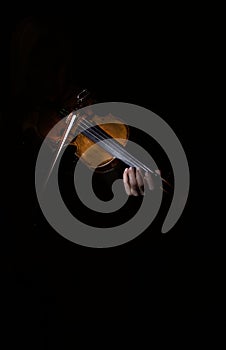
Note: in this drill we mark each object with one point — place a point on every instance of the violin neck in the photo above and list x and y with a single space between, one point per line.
113 147
96 134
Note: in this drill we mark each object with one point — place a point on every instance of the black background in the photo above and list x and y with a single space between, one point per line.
153 60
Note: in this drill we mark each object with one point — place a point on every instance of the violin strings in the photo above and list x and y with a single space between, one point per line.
118 149
113 147
109 144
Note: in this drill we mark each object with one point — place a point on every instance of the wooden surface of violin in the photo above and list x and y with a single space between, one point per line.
89 150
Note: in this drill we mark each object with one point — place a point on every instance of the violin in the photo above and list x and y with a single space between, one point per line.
90 129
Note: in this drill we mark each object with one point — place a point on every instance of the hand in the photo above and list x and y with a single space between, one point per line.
134 180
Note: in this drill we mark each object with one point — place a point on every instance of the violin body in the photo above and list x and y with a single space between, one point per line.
52 127
83 129
92 153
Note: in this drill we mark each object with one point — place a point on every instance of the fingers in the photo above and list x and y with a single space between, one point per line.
140 181
126 182
149 180
133 181
158 172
